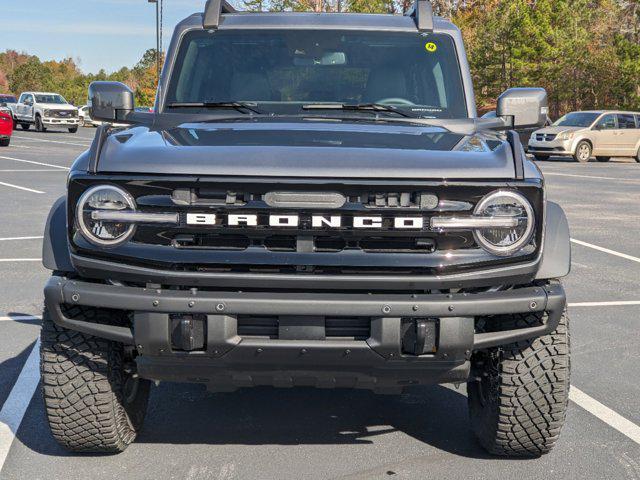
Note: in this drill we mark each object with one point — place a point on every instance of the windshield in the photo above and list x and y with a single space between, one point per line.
282 71
577 119
57 99
7 99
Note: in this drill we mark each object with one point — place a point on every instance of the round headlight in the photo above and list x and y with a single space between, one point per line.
505 241
104 198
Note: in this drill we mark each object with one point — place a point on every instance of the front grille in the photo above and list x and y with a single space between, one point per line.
545 137
302 248
347 328
64 113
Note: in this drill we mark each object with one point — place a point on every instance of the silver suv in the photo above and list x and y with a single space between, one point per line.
583 135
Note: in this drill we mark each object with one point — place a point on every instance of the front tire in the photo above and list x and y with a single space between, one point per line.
39 125
25 126
583 152
518 394
93 401
73 130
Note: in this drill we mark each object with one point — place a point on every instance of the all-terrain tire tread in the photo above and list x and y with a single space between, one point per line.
532 393
81 386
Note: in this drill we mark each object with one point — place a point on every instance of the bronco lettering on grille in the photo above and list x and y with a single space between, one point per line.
294 221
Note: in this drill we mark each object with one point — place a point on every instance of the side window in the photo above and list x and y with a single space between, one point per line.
608 122
22 98
626 121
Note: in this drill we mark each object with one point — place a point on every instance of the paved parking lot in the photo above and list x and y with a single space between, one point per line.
316 434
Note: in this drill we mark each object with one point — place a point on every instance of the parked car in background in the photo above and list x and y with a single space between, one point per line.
84 119
8 102
583 135
524 134
45 110
144 109
6 126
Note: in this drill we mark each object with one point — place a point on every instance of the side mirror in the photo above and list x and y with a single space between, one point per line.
527 107
110 101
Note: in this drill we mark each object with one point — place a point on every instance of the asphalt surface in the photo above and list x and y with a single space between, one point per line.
316 434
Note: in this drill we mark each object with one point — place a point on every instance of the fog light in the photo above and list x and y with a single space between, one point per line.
188 332
419 335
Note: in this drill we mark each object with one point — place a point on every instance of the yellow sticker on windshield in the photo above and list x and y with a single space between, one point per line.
431 47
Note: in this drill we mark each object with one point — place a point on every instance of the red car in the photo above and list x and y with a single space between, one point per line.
6 128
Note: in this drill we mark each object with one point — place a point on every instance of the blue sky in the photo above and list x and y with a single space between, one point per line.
98 34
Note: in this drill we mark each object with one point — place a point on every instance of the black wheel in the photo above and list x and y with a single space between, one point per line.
518 394
15 124
94 402
5 142
39 125
25 126
541 158
73 130
583 152
603 159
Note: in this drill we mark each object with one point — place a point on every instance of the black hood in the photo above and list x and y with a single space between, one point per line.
307 148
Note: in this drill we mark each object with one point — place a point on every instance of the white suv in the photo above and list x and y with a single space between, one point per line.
45 110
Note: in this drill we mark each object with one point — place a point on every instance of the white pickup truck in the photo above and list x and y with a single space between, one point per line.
45 110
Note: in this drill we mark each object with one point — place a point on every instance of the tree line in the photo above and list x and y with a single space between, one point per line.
586 53
20 72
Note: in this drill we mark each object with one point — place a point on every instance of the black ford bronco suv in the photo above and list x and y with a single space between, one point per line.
314 202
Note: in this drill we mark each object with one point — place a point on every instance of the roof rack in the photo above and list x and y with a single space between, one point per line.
422 14
213 10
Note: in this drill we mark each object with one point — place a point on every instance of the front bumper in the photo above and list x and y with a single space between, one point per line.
63 122
229 361
554 147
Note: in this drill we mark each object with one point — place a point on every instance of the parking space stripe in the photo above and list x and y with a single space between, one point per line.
31 170
595 177
53 141
606 250
8 260
18 400
20 188
7 239
20 318
604 304
35 163
604 413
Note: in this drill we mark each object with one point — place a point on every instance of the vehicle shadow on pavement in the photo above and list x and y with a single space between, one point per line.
182 414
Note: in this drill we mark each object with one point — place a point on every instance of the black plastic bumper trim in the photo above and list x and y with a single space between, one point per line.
550 299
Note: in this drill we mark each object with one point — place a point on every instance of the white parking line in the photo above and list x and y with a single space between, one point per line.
604 413
20 188
20 318
30 170
18 400
34 162
604 304
30 139
606 250
7 239
8 260
590 176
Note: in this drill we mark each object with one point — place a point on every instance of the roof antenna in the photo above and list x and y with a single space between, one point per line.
213 11
422 14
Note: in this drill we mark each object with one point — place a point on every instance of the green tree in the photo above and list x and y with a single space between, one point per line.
28 76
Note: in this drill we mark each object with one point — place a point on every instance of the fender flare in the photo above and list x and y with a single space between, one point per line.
556 256
55 247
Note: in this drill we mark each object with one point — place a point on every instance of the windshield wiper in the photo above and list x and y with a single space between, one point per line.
361 107
241 107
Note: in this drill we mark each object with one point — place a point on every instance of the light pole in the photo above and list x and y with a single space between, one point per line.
158 46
